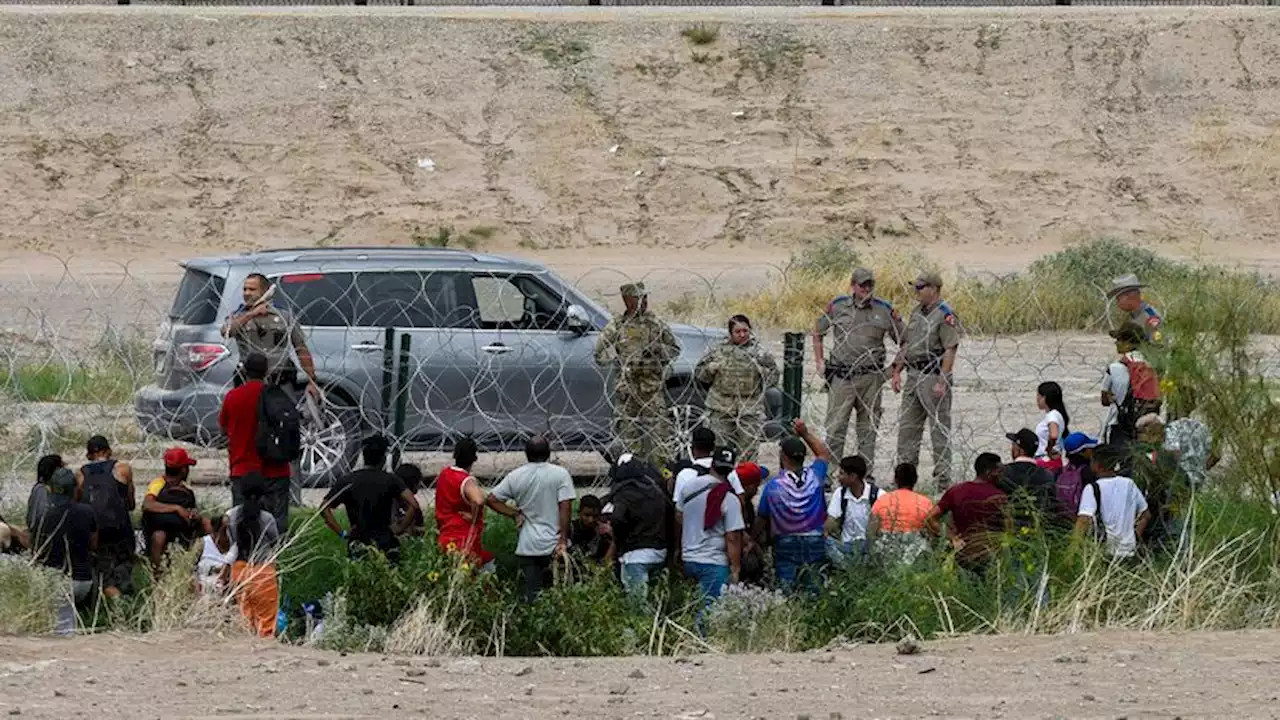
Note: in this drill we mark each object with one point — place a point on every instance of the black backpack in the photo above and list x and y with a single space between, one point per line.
279 437
103 493
873 493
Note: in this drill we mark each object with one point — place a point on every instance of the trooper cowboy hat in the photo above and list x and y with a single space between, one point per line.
1124 284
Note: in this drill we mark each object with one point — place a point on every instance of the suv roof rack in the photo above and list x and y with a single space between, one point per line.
363 248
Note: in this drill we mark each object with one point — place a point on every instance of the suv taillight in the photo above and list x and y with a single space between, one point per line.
198 357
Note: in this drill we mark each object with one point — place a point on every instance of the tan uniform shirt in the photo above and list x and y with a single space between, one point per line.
858 330
931 331
275 335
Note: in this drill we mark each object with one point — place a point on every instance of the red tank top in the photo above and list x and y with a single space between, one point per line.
453 516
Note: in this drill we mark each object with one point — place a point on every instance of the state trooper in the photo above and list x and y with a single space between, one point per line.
1126 291
736 374
854 371
640 347
928 354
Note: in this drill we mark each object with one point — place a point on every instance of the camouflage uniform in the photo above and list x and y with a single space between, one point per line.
738 376
642 347
855 368
931 331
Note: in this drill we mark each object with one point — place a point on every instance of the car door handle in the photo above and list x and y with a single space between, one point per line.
497 349
367 347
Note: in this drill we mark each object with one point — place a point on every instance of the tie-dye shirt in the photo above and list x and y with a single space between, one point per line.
794 505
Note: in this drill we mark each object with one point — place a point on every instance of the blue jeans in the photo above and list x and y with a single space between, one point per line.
842 554
711 581
636 578
800 560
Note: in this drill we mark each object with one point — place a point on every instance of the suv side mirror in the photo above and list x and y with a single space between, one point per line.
577 320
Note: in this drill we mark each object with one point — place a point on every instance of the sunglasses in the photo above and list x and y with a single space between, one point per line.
868 285
921 286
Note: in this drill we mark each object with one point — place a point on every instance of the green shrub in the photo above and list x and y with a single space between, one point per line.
1062 291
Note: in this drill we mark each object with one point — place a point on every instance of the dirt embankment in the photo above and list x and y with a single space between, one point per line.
164 133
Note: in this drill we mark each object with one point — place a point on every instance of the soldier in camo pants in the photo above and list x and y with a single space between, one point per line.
736 373
641 347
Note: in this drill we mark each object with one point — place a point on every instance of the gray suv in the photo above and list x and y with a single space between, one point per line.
500 348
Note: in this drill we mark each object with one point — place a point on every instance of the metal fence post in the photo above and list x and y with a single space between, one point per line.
402 400
388 375
792 375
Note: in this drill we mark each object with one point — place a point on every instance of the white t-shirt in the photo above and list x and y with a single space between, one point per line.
854 527
707 546
1042 431
1122 503
1116 382
537 489
688 475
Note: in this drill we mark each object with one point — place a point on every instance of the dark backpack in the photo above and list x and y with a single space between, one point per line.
103 493
872 494
279 436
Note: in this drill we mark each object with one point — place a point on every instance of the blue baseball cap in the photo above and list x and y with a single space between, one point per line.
1077 442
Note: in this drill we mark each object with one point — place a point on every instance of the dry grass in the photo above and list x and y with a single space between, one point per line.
29 597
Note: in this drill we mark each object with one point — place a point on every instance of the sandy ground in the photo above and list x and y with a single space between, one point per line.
1118 675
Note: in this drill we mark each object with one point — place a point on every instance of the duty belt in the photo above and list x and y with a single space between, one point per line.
834 371
928 366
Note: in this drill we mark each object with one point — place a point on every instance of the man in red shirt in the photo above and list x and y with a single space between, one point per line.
977 513
239 422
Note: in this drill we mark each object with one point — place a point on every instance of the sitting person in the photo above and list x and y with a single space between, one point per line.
411 475
38 499
897 523
849 512
585 541
169 511
216 557
976 512
65 539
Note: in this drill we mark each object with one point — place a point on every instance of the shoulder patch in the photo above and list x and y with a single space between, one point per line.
950 319
1153 320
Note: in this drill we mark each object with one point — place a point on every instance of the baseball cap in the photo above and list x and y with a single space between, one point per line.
63 481
634 290
724 459
751 472
1025 439
862 276
176 457
97 444
932 279
1078 442
1130 333
794 448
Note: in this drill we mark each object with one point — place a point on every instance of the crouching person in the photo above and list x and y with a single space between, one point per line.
254 537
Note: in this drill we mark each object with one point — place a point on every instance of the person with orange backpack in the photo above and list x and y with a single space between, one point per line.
1131 386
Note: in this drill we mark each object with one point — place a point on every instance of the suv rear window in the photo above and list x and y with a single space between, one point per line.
198 299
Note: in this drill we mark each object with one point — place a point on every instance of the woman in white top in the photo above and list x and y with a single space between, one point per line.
1053 426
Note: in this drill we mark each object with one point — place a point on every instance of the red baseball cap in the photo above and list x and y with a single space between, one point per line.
178 457
752 471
